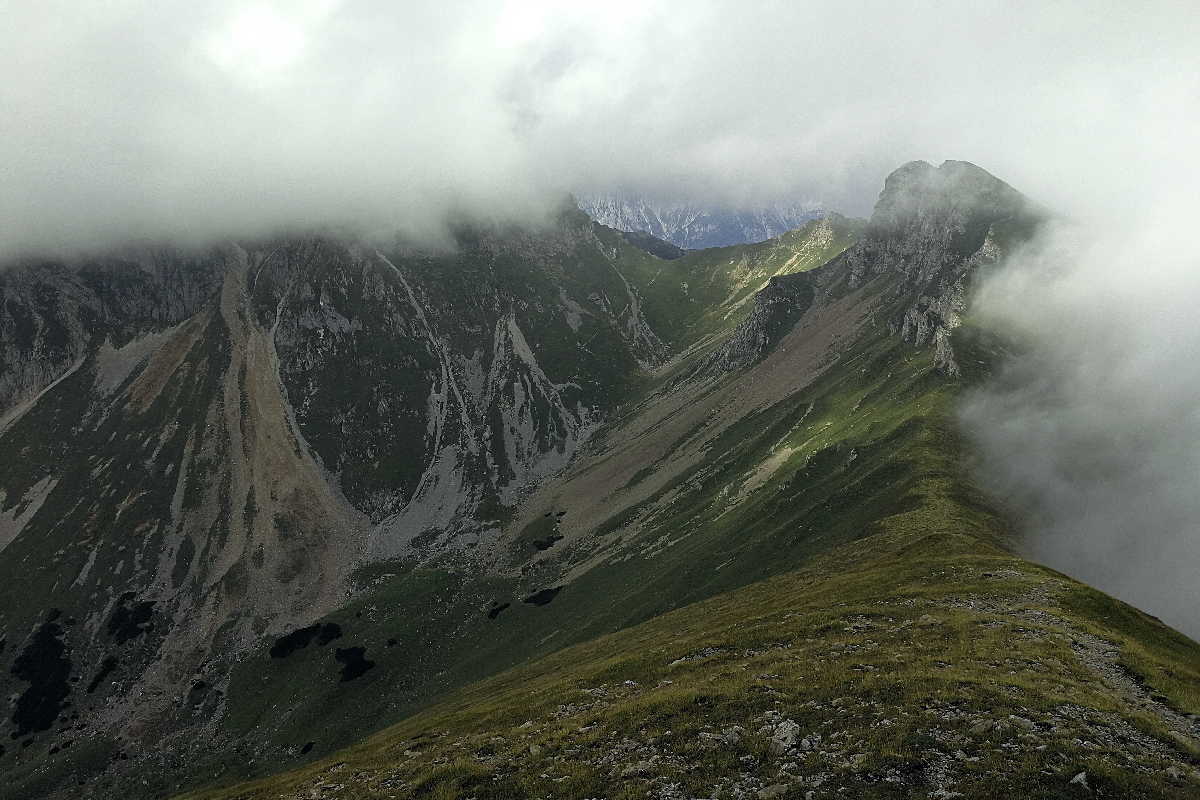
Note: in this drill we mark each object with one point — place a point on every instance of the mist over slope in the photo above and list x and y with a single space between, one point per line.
828 604
1094 430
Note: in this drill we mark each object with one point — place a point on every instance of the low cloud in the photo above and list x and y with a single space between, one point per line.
173 120
1095 431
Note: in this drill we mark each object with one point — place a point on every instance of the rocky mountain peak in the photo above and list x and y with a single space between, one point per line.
958 197
928 223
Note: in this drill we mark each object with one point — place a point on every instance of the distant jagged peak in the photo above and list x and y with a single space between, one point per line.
694 226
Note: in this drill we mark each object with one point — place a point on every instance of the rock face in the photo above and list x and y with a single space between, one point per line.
51 312
930 229
776 310
429 384
928 222
214 444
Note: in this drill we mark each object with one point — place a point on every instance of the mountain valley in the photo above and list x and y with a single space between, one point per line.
575 519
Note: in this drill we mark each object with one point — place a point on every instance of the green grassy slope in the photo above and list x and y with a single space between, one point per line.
445 639
925 656
871 450
924 661
706 293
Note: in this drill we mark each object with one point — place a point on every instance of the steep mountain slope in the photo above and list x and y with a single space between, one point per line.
815 443
908 663
694 227
51 312
199 451
359 479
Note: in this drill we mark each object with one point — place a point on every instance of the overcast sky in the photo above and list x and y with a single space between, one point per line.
166 119
207 121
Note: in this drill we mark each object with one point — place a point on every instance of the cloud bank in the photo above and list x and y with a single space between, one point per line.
166 120
1095 432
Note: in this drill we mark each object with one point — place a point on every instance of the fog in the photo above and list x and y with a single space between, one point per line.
1095 430
134 120
173 120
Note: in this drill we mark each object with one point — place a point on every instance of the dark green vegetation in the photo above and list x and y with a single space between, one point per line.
354 665
130 621
656 247
45 665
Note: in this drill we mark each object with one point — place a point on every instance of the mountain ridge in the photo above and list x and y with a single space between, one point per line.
521 445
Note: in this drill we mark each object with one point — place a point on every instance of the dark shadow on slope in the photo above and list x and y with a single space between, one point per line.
355 663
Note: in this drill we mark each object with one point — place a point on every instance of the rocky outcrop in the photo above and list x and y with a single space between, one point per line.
931 228
931 318
50 312
928 223
777 308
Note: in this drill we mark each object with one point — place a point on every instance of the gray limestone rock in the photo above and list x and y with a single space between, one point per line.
787 733
777 308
